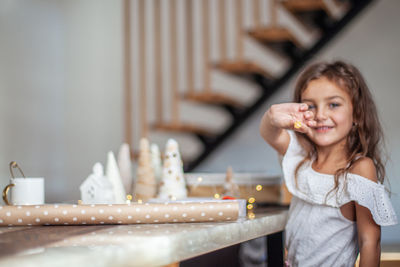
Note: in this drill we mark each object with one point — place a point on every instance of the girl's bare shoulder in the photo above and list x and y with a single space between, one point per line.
365 167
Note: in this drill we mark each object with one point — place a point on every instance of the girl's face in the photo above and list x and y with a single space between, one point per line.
333 112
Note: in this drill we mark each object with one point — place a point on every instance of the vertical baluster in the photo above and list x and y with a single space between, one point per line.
256 14
189 47
143 67
239 25
272 6
206 45
174 73
158 61
127 73
222 29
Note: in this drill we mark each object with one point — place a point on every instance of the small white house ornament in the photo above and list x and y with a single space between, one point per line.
97 189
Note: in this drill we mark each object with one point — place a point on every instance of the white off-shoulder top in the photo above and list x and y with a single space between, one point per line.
317 234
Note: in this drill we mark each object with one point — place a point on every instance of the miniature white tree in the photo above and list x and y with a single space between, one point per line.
230 188
156 161
173 184
125 167
115 178
146 186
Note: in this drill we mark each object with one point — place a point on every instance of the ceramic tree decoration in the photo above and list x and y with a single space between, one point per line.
125 167
146 186
156 161
97 189
115 178
230 188
173 184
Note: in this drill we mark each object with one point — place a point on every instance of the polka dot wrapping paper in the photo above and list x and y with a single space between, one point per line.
62 214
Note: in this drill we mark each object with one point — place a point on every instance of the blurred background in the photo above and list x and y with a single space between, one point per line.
79 78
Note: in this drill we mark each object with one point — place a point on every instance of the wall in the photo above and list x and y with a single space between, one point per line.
61 89
371 42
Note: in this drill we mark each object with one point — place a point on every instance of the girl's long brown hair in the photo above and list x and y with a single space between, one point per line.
366 136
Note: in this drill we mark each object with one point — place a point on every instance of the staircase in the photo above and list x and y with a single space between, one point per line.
177 52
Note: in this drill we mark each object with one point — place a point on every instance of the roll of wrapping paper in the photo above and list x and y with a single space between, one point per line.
134 213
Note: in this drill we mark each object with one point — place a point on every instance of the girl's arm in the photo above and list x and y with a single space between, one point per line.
280 117
369 237
369 233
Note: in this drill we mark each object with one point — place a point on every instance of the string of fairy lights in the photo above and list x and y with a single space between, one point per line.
251 200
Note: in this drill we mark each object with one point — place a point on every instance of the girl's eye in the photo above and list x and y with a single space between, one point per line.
311 106
333 105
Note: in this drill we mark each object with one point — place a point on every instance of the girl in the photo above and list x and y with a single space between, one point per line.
329 139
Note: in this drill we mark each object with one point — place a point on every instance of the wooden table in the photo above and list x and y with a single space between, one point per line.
135 245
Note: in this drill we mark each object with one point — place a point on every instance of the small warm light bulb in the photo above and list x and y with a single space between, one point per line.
216 195
173 198
249 206
199 179
259 187
252 200
129 197
140 201
251 215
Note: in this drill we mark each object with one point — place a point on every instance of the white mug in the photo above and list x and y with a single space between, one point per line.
25 191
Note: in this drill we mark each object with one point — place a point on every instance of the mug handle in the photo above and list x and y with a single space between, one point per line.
5 192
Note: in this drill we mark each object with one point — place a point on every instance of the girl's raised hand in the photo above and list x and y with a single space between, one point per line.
292 116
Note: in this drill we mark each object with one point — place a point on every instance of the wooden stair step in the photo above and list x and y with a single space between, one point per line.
275 34
213 98
313 5
243 67
183 128
303 5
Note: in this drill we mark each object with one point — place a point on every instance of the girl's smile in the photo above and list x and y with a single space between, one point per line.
323 129
332 112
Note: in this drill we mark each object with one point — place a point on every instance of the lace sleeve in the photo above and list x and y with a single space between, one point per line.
294 148
372 196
